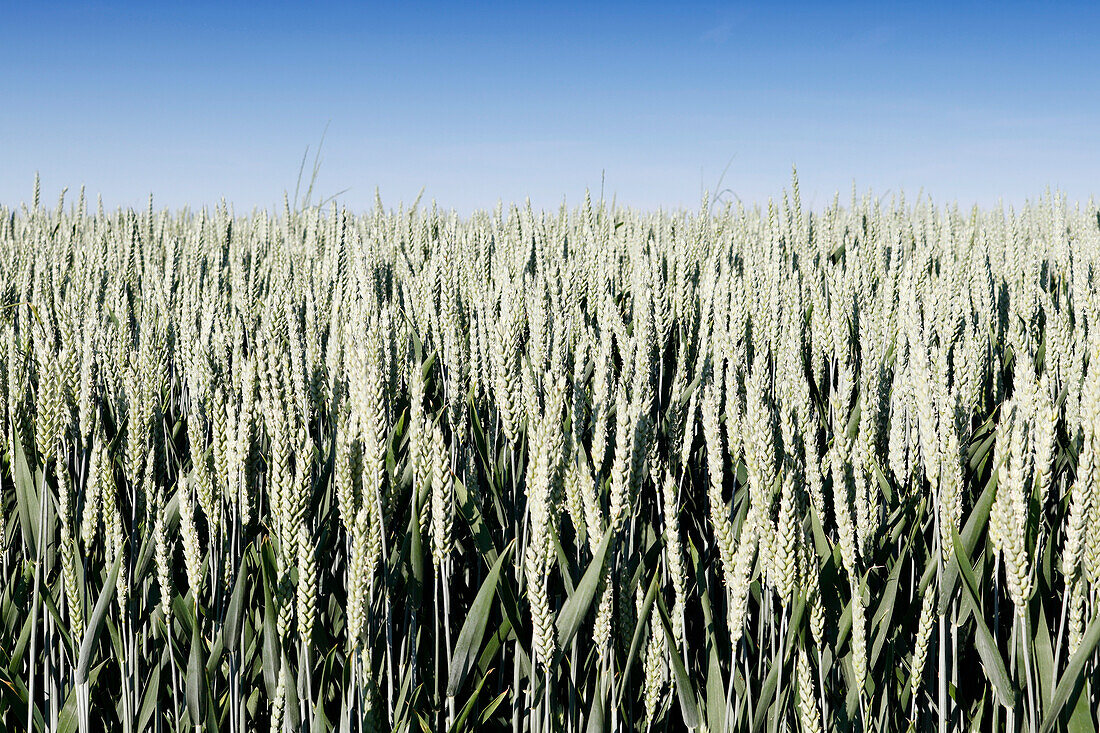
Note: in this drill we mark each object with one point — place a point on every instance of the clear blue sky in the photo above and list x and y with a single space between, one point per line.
200 101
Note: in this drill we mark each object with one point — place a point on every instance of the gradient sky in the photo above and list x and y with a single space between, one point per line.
199 101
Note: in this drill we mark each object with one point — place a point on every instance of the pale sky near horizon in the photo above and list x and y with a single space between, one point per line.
202 101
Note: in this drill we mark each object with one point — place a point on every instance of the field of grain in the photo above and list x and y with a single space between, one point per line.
592 469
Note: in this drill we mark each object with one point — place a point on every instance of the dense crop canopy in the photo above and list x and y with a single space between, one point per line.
593 469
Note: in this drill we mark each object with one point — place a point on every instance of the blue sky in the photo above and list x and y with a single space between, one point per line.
201 101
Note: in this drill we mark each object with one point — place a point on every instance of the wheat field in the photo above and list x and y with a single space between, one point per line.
593 469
